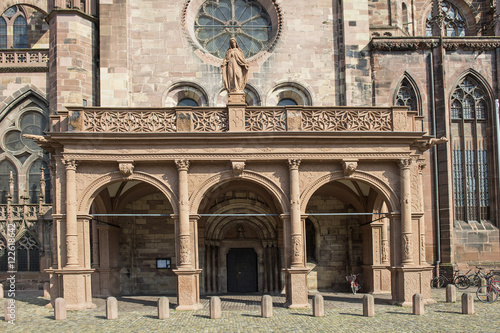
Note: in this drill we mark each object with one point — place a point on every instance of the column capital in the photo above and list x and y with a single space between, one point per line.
70 164
182 165
405 163
293 164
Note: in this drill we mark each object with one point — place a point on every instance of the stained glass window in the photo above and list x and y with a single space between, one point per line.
469 152
246 20
454 23
3 33
20 33
28 257
406 96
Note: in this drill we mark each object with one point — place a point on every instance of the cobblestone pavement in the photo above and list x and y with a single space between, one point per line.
343 313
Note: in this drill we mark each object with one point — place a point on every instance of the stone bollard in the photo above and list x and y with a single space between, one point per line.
482 282
418 304
163 308
215 308
451 293
60 309
368 306
267 306
111 308
318 306
10 309
1 290
467 303
46 290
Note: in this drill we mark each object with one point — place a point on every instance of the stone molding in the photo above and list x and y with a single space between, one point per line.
426 43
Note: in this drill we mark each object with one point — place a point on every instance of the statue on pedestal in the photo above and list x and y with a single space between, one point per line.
234 68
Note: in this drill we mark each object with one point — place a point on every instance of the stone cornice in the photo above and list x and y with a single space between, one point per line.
425 43
70 11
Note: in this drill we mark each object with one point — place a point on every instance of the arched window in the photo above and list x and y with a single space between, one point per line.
187 102
454 23
20 40
3 255
470 152
3 33
406 95
6 168
28 254
406 21
286 101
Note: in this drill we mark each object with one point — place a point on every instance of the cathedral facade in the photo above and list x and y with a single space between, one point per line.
362 140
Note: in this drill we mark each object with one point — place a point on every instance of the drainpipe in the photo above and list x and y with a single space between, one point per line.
497 127
435 168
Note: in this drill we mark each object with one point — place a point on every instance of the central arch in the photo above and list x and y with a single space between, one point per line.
240 219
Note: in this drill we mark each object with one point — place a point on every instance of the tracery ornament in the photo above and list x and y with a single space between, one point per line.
245 20
265 120
346 120
210 121
129 121
449 19
406 96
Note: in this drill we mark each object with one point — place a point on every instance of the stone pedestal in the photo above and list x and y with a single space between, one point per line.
188 297
236 112
74 286
296 288
408 281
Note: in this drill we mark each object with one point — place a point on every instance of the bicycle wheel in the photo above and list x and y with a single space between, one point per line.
462 282
487 294
437 282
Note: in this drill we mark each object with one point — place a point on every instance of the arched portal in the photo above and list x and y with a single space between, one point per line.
240 239
133 240
347 221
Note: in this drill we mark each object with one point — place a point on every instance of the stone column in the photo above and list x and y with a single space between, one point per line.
406 229
187 272
296 287
184 235
71 219
295 216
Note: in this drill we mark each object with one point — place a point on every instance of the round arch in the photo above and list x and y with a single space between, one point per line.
224 176
40 5
90 193
379 185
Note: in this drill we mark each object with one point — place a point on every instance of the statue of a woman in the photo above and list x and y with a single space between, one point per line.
234 68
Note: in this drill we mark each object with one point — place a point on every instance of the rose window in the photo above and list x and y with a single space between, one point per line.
246 20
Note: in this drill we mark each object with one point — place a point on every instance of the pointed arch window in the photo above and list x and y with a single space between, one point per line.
471 194
28 254
454 23
20 33
406 96
3 255
3 33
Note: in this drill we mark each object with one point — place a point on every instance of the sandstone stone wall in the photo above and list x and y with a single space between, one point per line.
141 242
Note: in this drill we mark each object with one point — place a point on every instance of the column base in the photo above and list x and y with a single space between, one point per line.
188 289
407 281
376 279
296 288
74 285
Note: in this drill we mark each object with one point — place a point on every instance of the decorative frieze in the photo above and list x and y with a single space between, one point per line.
346 120
119 121
210 121
426 43
265 120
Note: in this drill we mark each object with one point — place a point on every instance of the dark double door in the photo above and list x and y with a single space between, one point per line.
242 271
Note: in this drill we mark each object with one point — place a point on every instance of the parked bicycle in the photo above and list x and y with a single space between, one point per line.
461 281
479 274
489 292
355 285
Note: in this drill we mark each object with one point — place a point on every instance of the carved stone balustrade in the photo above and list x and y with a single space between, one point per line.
24 60
256 119
426 43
